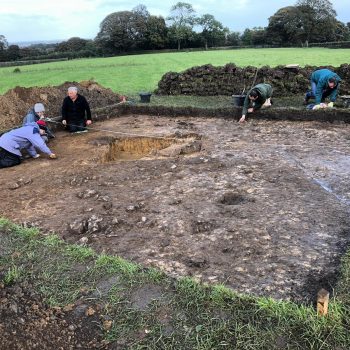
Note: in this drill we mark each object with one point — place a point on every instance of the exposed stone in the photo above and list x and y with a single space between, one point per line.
78 226
89 193
14 185
94 224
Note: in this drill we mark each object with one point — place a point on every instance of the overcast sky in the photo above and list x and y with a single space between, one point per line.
34 20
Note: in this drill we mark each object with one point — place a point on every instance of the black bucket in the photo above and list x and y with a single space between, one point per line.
145 97
238 100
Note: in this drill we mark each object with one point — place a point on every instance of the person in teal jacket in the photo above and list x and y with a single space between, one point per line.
259 96
324 83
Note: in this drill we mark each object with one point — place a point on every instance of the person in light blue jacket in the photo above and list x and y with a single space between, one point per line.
324 83
26 137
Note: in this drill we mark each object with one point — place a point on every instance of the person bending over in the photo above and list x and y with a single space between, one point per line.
324 83
26 137
258 97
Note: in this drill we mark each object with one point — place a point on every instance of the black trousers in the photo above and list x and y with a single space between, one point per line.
8 159
76 125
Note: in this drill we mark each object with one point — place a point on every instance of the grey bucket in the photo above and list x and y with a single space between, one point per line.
238 100
145 97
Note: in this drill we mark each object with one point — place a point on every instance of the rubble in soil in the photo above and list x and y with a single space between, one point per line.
26 322
15 103
260 207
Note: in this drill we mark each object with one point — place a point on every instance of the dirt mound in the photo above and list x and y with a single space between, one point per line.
15 103
230 79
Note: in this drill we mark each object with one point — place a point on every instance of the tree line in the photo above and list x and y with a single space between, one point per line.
307 21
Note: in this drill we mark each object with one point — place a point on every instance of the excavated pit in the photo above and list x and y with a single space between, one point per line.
135 148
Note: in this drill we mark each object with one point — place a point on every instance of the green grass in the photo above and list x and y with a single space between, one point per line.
131 74
185 315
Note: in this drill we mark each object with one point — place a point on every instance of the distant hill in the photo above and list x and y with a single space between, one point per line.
29 43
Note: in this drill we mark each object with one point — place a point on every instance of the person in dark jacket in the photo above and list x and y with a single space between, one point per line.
324 83
76 114
26 137
37 115
259 96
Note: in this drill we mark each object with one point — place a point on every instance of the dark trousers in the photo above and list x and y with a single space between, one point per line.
8 159
312 93
76 125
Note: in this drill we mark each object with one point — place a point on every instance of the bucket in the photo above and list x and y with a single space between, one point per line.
145 97
238 100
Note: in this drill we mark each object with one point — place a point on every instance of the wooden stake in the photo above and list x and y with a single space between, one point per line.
322 302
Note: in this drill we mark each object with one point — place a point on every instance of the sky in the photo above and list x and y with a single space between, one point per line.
39 20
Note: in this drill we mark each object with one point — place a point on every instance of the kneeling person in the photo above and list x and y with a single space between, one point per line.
324 83
259 96
76 112
26 137
36 114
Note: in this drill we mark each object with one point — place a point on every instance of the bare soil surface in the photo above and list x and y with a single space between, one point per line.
261 207
26 322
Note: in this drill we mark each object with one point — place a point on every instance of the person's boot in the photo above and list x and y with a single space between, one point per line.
306 99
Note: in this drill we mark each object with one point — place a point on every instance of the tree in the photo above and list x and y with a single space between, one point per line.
318 18
29 51
116 32
3 47
13 53
3 43
342 32
130 30
156 33
139 19
72 44
285 26
182 19
233 39
258 36
247 37
213 31
255 36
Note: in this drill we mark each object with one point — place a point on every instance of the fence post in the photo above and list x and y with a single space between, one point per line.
322 302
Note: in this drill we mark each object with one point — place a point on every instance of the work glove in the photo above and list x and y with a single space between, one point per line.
330 104
316 107
53 156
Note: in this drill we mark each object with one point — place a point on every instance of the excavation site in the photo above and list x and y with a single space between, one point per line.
261 207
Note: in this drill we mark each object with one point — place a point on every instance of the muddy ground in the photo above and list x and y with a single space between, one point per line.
27 323
261 207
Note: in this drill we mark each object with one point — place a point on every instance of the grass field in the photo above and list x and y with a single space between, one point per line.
185 315
131 74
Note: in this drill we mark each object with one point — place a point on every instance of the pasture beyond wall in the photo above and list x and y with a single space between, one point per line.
208 80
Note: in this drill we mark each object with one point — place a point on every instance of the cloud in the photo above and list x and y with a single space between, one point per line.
23 20
28 26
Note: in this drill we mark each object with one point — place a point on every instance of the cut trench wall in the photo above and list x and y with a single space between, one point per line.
230 113
233 113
